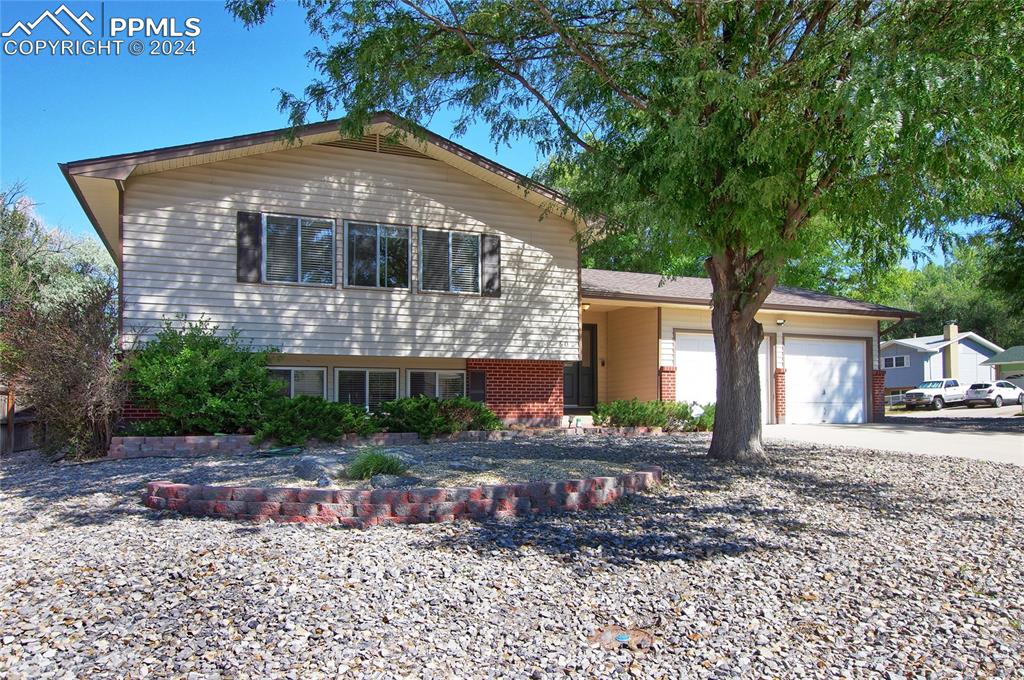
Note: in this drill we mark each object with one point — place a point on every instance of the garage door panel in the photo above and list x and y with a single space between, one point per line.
825 380
697 373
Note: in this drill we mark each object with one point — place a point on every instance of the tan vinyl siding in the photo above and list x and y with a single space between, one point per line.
689 318
632 353
600 319
179 257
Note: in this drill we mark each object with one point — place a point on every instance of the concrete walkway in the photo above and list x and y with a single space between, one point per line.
997 446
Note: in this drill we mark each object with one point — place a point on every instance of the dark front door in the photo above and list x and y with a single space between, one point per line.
580 377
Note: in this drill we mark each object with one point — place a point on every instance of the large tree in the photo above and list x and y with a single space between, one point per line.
731 124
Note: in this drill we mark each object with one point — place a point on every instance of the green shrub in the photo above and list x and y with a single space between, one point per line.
374 461
429 417
669 415
295 421
201 381
705 422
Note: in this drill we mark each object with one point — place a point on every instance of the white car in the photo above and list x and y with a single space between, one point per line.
934 393
994 394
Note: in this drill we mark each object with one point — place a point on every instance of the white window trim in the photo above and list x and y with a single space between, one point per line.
905 357
479 269
366 381
437 377
291 378
298 252
346 251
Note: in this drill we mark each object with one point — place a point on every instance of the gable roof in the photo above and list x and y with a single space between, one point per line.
1012 355
934 343
689 290
98 182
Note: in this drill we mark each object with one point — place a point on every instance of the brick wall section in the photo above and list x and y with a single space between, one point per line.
179 447
523 390
135 411
667 383
780 395
359 508
195 446
877 396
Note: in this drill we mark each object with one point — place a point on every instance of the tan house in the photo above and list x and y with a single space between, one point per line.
395 265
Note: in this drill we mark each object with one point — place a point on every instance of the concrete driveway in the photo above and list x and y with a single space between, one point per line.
967 439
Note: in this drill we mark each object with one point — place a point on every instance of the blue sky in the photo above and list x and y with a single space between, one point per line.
62 108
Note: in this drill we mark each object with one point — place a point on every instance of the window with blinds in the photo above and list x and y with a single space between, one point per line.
365 387
296 382
449 261
439 384
298 250
377 255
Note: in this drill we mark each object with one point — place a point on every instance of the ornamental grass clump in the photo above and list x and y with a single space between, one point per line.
374 461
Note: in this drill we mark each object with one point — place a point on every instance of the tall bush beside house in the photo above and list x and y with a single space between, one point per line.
58 329
203 381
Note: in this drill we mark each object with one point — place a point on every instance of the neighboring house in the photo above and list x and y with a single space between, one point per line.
394 265
17 420
1009 364
908 362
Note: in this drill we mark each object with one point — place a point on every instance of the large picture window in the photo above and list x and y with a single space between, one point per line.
310 382
449 261
439 384
298 250
366 387
376 255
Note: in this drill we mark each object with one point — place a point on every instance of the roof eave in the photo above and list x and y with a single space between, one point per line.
69 178
636 297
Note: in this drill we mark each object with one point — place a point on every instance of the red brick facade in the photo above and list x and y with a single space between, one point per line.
523 390
780 395
877 396
667 383
133 411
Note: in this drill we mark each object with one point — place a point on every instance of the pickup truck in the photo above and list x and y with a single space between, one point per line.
935 393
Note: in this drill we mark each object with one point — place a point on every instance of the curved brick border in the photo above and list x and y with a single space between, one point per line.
359 508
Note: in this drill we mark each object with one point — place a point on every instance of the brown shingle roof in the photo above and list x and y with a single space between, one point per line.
602 283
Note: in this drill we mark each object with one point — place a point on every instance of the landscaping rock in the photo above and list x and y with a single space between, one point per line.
309 469
393 481
471 465
830 563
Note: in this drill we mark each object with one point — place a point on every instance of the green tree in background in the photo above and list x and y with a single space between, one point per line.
715 128
1004 260
955 290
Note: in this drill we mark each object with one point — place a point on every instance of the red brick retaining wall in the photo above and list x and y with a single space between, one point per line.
522 390
179 447
361 509
205 445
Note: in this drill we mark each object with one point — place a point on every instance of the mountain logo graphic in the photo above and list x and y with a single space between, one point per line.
79 20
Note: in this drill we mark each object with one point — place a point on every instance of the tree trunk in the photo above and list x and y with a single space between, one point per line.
737 430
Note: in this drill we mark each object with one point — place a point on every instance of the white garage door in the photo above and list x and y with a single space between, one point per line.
696 375
824 381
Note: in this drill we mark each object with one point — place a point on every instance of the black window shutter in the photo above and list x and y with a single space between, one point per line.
250 247
476 389
490 265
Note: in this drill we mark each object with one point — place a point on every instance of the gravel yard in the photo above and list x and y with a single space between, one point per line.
831 562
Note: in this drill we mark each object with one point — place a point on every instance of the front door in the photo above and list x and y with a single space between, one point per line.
579 380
